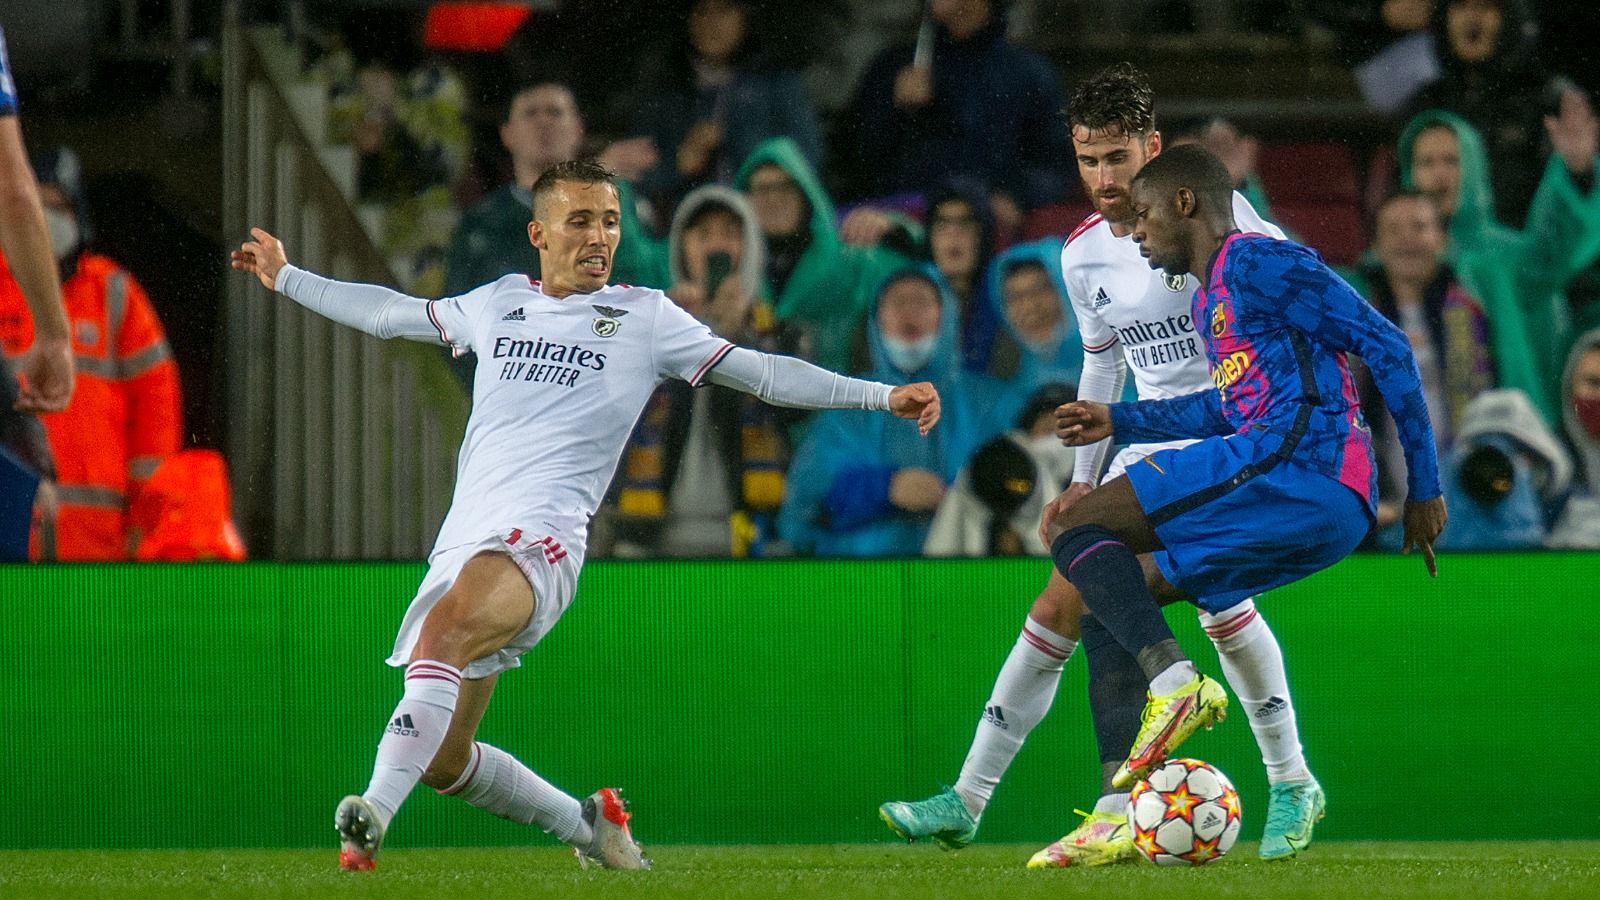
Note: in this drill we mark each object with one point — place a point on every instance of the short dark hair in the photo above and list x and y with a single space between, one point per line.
1018 266
1408 194
533 84
582 171
708 208
1189 166
1118 96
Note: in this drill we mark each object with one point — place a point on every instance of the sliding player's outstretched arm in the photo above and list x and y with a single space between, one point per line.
685 348
371 308
786 381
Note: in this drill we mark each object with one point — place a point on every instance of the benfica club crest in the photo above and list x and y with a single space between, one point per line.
606 325
1174 282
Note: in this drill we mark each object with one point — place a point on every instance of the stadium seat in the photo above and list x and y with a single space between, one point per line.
1333 229
1308 173
1055 220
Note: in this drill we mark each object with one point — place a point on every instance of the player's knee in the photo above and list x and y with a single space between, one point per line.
1059 607
467 624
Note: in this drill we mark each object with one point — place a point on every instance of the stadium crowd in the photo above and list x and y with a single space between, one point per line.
912 232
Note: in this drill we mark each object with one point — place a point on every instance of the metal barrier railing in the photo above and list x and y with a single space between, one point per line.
341 446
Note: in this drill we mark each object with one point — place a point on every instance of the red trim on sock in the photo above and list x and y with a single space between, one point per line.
435 671
1044 646
1230 628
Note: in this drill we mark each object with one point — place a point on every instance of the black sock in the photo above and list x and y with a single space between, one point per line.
1116 696
1108 576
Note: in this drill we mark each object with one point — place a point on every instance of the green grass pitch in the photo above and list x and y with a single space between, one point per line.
1354 871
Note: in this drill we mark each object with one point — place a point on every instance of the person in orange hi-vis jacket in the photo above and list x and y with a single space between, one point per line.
125 417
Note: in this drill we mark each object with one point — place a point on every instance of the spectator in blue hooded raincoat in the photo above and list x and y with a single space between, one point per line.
859 487
1031 299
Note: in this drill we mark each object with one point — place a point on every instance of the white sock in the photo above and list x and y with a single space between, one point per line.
496 781
1173 677
1113 803
1023 692
1253 664
415 732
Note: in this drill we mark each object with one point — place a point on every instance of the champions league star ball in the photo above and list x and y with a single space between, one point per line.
1186 813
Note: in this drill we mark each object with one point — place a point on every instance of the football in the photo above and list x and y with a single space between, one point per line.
1186 813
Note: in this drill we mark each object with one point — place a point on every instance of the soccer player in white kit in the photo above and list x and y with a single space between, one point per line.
564 369
1130 317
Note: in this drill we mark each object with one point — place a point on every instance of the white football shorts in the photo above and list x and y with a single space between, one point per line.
551 571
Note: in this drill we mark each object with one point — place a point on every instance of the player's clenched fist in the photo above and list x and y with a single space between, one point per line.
1082 422
262 257
916 401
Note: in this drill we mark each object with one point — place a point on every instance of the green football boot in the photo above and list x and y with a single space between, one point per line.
942 817
1293 810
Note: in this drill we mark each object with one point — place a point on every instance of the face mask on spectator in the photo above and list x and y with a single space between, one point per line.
1047 346
909 356
1054 456
63 231
1588 411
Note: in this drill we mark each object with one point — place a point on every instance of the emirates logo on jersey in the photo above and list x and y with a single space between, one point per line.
606 325
1173 282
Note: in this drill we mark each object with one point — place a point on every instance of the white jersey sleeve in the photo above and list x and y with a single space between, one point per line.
456 319
1250 221
382 312
683 347
1097 335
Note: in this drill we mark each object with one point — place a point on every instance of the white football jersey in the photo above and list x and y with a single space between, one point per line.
1124 306
558 388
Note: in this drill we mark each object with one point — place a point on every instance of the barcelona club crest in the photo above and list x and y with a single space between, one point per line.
606 325
1174 282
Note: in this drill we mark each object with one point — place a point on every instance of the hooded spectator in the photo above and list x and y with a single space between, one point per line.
816 281
1579 522
1031 299
1520 276
862 485
703 475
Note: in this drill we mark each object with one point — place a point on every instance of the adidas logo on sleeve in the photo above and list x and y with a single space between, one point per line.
516 315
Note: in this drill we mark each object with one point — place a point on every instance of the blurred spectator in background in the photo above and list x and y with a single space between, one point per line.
1026 283
1409 282
715 98
961 101
1520 276
995 505
1238 151
1387 43
1505 477
1494 80
818 283
864 488
1579 522
961 242
183 513
541 127
703 474
125 416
